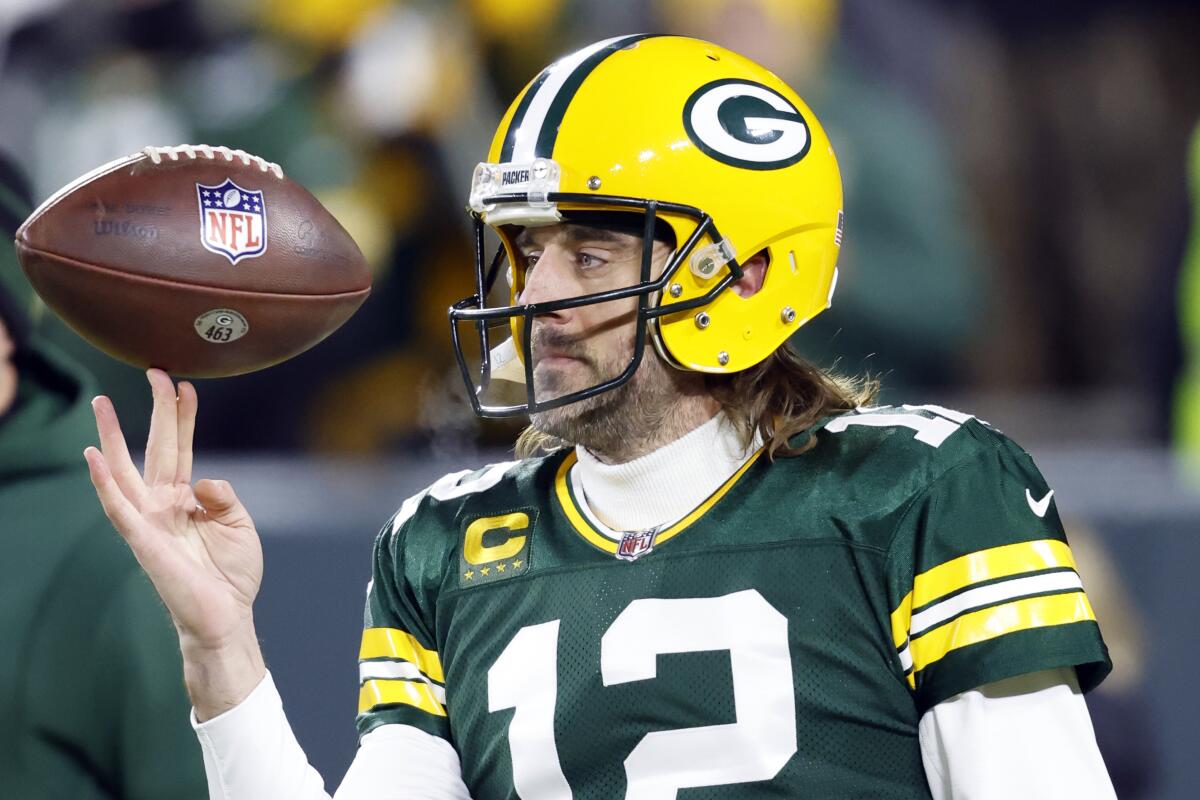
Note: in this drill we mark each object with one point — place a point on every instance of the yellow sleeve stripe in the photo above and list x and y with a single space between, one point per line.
395 643
995 562
410 693
990 623
982 565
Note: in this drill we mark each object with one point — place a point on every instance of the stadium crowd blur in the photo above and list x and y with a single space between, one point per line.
1016 180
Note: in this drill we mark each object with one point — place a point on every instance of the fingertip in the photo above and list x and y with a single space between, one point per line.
102 407
96 465
160 381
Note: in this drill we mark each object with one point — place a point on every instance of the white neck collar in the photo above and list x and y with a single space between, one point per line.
662 486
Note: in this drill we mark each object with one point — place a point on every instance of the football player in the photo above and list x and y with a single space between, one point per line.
715 571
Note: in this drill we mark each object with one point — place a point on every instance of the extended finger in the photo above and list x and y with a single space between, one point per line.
186 412
124 517
162 446
116 453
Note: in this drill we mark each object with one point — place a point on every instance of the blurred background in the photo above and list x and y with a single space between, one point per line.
1022 243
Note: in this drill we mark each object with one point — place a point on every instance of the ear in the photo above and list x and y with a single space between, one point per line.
754 270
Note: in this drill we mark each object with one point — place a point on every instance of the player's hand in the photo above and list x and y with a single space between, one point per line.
197 543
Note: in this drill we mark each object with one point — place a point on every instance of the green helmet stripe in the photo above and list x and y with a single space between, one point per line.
534 126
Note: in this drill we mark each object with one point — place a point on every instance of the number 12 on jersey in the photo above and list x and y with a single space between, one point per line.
754 748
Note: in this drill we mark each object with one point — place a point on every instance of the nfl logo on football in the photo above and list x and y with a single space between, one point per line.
233 220
636 543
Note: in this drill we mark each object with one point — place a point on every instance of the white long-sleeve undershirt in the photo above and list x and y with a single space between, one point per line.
1028 737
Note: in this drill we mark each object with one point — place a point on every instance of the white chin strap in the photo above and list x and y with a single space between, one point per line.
506 363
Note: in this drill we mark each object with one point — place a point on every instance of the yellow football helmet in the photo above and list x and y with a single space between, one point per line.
695 137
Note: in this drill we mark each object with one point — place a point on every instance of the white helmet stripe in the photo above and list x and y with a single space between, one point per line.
549 86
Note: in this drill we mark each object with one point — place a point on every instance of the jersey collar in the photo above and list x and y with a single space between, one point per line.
668 489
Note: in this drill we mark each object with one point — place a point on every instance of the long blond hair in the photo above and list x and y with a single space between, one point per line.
777 398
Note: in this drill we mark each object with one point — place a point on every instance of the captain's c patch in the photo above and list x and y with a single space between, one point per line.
496 547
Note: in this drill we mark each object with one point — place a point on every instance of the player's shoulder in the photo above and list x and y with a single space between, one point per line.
907 447
503 486
869 468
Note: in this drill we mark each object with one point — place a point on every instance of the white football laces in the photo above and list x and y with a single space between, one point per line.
156 155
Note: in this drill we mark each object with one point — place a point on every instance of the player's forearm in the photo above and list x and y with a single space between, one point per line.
218 677
250 752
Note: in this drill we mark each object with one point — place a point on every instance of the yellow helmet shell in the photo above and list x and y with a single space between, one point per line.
683 121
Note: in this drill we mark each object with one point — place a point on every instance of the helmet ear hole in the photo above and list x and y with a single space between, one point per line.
754 275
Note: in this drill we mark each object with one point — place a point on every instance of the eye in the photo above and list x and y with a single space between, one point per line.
530 260
589 261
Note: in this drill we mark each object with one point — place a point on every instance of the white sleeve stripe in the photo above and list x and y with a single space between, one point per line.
525 141
991 594
398 670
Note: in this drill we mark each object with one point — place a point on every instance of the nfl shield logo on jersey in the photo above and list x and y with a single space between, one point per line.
636 543
233 220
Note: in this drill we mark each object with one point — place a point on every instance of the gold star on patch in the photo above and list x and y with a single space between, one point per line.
485 570
469 574
517 564
500 567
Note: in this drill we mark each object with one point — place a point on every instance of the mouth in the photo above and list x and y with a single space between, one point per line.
556 361
555 358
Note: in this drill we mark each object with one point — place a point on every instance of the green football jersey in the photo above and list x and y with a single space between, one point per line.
782 640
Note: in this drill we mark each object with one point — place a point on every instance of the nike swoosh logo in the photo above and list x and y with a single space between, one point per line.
1039 507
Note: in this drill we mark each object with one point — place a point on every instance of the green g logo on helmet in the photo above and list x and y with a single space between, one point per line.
745 124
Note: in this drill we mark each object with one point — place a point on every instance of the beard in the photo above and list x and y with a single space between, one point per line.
624 420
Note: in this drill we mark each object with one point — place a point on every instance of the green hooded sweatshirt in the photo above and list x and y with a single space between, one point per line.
92 703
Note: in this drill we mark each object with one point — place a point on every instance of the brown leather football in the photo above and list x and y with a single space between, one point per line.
200 260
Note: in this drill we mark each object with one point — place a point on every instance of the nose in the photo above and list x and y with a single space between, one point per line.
548 280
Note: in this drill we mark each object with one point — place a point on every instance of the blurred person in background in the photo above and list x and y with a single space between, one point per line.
91 704
1060 115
